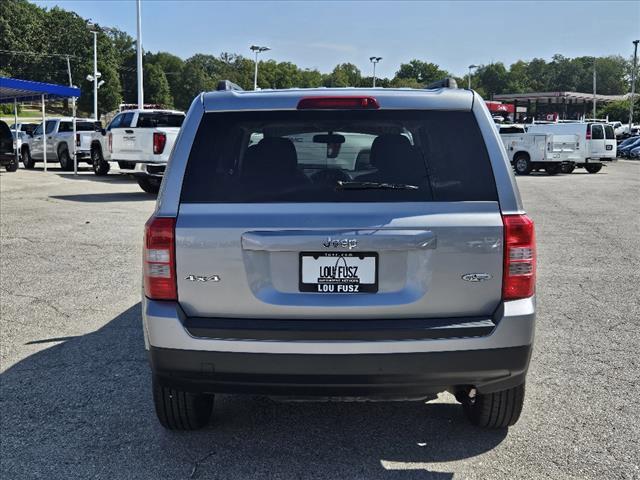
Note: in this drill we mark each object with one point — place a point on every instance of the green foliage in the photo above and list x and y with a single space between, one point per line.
172 81
619 111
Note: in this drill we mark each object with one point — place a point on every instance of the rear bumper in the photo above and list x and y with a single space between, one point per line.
146 169
223 357
407 375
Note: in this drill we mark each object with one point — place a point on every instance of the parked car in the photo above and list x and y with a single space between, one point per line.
140 141
272 268
625 148
596 141
59 142
27 128
529 152
634 152
8 157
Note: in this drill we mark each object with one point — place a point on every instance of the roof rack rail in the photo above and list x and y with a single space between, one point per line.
447 82
227 85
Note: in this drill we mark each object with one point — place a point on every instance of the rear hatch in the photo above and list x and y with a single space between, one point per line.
339 214
155 133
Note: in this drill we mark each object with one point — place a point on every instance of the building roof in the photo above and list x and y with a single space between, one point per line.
23 90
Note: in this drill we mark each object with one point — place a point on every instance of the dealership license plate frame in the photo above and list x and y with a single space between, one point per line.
363 287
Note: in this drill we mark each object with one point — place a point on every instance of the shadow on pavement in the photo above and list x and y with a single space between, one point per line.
82 409
107 197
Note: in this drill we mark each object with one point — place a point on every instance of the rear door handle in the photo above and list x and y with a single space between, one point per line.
128 131
363 240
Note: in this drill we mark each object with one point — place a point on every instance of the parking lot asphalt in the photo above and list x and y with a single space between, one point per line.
75 398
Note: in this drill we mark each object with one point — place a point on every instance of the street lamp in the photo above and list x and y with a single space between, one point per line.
633 82
470 68
374 60
257 49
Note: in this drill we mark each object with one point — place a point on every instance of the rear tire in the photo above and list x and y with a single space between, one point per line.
100 167
495 410
593 168
149 184
13 166
27 159
66 163
522 165
568 168
178 410
553 169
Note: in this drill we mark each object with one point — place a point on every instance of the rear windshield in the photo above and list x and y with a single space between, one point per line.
597 132
609 133
346 156
159 119
504 130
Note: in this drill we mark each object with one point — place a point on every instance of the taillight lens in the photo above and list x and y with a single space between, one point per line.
110 142
519 276
159 141
77 139
588 136
338 103
159 259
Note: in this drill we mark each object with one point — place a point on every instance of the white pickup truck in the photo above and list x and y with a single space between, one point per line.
538 151
140 141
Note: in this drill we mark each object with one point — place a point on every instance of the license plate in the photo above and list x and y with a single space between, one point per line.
609 147
338 272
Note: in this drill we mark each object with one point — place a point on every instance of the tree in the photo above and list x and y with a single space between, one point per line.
156 86
194 80
492 78
619 111
420 72
343 75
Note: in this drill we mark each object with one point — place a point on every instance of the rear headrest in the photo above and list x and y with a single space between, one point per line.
385 149
271 155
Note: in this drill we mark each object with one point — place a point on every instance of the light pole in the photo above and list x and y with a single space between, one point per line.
470 68
594 88
139 57
633 82
257 49
95 75
374 60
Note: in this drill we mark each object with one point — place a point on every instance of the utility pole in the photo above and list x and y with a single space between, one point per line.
633 82
374 60
594 88
139 58
73 110
95 75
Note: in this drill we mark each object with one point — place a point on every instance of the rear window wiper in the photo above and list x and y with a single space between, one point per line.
374 186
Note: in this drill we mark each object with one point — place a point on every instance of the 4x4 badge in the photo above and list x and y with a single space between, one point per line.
202 278
476 277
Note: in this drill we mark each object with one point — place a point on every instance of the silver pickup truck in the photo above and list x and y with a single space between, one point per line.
59 142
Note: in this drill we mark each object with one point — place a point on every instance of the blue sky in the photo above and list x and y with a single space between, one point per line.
322 34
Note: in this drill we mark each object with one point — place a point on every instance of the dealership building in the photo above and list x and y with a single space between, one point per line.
548 105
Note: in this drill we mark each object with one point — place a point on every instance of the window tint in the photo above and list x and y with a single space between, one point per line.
159 119
126 120
511 130
115 123
38 130
65 127
5 132
609 133
597 133
87 126
51 125
324 156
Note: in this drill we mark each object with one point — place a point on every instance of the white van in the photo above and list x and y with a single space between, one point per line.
596 142
538 151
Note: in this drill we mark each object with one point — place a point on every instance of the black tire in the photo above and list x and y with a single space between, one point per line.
66 162
568 168
178 410
595 168
100 167
521 164
13 166
149 184
495 410
553 169
27 159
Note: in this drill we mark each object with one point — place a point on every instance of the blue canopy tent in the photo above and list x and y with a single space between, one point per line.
15 90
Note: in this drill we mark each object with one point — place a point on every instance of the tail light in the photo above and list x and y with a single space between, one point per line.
159 260
519 276
110 142
159 141
338 103
588 136
77 139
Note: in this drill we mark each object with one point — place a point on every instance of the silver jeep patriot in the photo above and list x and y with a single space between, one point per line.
339 243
